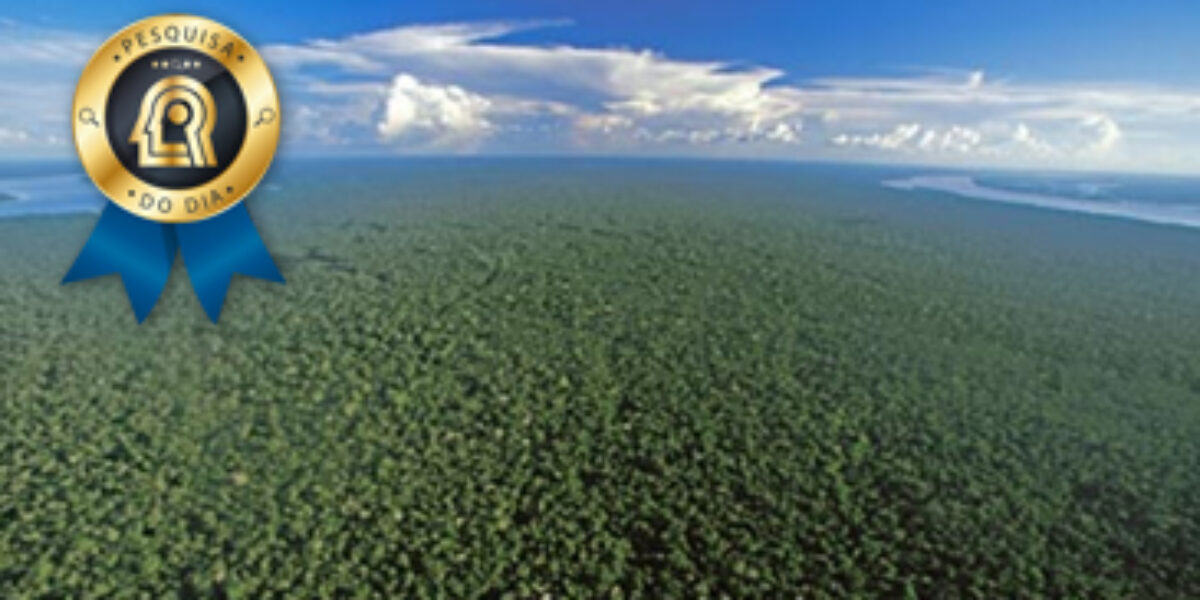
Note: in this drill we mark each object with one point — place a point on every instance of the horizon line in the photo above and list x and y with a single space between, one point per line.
307 155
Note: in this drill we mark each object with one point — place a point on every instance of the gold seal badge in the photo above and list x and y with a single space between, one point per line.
176 118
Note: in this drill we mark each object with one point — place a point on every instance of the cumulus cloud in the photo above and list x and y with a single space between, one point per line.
1104 130
470 87
914 137
969 116
441 115
625 96
1082 138
898 137
464 86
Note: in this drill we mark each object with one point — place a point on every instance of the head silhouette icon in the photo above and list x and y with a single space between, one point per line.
180 101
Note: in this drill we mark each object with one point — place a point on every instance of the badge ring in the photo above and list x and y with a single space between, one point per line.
236 180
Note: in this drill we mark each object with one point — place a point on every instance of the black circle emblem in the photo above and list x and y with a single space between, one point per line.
176 118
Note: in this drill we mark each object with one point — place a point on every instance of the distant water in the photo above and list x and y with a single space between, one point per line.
52 189
1162 200
48 194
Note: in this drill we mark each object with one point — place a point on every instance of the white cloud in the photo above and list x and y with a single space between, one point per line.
332 114
624 100
608 97
464 87
13 136
442 116
1075 136
38 47
917 138
1107 132
975 80
898 137
38 70
973 119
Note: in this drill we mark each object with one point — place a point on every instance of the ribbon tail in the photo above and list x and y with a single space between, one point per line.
141 251
216 248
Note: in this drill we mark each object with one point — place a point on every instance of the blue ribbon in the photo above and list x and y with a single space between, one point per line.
143 251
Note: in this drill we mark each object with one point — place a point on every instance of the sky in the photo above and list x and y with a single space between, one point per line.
1063 85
